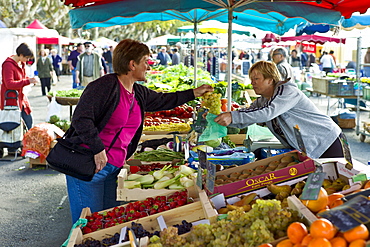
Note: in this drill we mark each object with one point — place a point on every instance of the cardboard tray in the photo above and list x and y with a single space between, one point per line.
136 194
303 168
198 210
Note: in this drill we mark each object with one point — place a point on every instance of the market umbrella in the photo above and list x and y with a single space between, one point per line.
213 26
278 16
36 24
309 28
356 21
2 24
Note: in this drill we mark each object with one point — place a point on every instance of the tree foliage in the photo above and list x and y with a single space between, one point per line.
54 14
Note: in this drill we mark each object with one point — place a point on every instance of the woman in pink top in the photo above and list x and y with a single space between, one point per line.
113 106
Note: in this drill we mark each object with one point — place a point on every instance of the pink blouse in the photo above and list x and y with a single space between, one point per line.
129 120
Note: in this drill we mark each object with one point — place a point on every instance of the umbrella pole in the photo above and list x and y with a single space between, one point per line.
195 52
229 58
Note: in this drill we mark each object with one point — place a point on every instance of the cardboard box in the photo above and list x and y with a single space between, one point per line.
200 209
36 162
303 168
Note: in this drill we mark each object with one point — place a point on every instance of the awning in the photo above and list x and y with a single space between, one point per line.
314 39
53 40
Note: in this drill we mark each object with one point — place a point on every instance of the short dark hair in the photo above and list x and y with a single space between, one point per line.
126 51
331 52
24 50
79 44
174 49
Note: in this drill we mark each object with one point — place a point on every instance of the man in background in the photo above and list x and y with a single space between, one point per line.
163 57
108 59
189 59
72 62
175 57
89 66
279 57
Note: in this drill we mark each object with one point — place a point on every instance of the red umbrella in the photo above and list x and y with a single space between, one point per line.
346 7
314 39
270 37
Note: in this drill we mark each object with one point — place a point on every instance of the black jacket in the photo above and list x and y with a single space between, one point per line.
99 100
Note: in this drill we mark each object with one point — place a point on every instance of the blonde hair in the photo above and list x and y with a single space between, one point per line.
267 69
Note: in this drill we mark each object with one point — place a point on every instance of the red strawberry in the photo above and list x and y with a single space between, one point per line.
152 211
86 230
173 204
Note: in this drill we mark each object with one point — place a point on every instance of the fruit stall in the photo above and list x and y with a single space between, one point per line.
187 185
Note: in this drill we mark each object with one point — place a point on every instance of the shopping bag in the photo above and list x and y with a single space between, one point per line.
259 133
13 138
213 130
10 119
53 109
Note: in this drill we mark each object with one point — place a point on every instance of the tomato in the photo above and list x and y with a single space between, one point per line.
157 119
157 114
189 109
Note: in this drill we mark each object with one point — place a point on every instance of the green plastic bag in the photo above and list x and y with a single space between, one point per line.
259 133
213 130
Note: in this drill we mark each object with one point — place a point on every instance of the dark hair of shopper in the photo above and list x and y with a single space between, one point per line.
126 51
25 50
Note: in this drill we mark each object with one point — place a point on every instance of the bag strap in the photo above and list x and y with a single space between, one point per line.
119 132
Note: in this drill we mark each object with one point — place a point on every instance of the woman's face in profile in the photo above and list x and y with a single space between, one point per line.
261 86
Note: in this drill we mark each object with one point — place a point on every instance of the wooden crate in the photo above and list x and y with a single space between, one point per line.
200 209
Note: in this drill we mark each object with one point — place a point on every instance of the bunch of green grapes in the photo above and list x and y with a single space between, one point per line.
212 101
169 237
200 235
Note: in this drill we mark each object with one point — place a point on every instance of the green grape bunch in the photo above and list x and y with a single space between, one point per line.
212 101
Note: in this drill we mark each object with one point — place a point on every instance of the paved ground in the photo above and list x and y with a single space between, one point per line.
34 209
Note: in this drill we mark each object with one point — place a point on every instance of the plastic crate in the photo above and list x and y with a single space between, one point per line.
366 93
237 158
342 88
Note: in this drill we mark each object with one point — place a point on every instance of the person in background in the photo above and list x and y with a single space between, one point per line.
189 59
163 57
367 63
175 57
181 51
295 61
211 63
57 62
89 66
45 71
311 60
108 59
351 65
282 106
304 60
331 53
327 62
279 57
72 62
14 78
108 105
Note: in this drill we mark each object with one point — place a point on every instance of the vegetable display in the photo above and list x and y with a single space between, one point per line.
67 93
159 155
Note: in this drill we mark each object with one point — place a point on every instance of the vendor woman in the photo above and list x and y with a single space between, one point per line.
282 106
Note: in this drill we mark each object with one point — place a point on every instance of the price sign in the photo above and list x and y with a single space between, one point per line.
298 136
359 177
350 214
313 186
201 123
202 157
199 178
347 153
210 178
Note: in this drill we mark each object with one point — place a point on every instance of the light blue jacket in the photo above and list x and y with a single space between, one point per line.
291 107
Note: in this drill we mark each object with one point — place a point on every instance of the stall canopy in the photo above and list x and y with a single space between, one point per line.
356 21
36 24
45 37
309 28
270 37
314 39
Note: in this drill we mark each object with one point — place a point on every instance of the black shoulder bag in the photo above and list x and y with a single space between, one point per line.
73 159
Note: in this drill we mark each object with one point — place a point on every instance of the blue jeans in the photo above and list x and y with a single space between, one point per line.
74 84
98 194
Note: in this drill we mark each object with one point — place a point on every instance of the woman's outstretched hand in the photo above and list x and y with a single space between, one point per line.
199 91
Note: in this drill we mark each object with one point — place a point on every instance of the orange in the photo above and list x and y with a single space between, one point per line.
336 203
306 240
338 242
333 197
367 184
322 242
322 228
359 232
320 203
265 245
285 243
358 243
296 232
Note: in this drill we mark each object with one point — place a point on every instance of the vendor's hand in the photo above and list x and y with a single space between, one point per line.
100 161
199 91
224 119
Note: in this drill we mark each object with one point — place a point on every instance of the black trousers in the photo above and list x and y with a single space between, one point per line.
45 84
334 151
